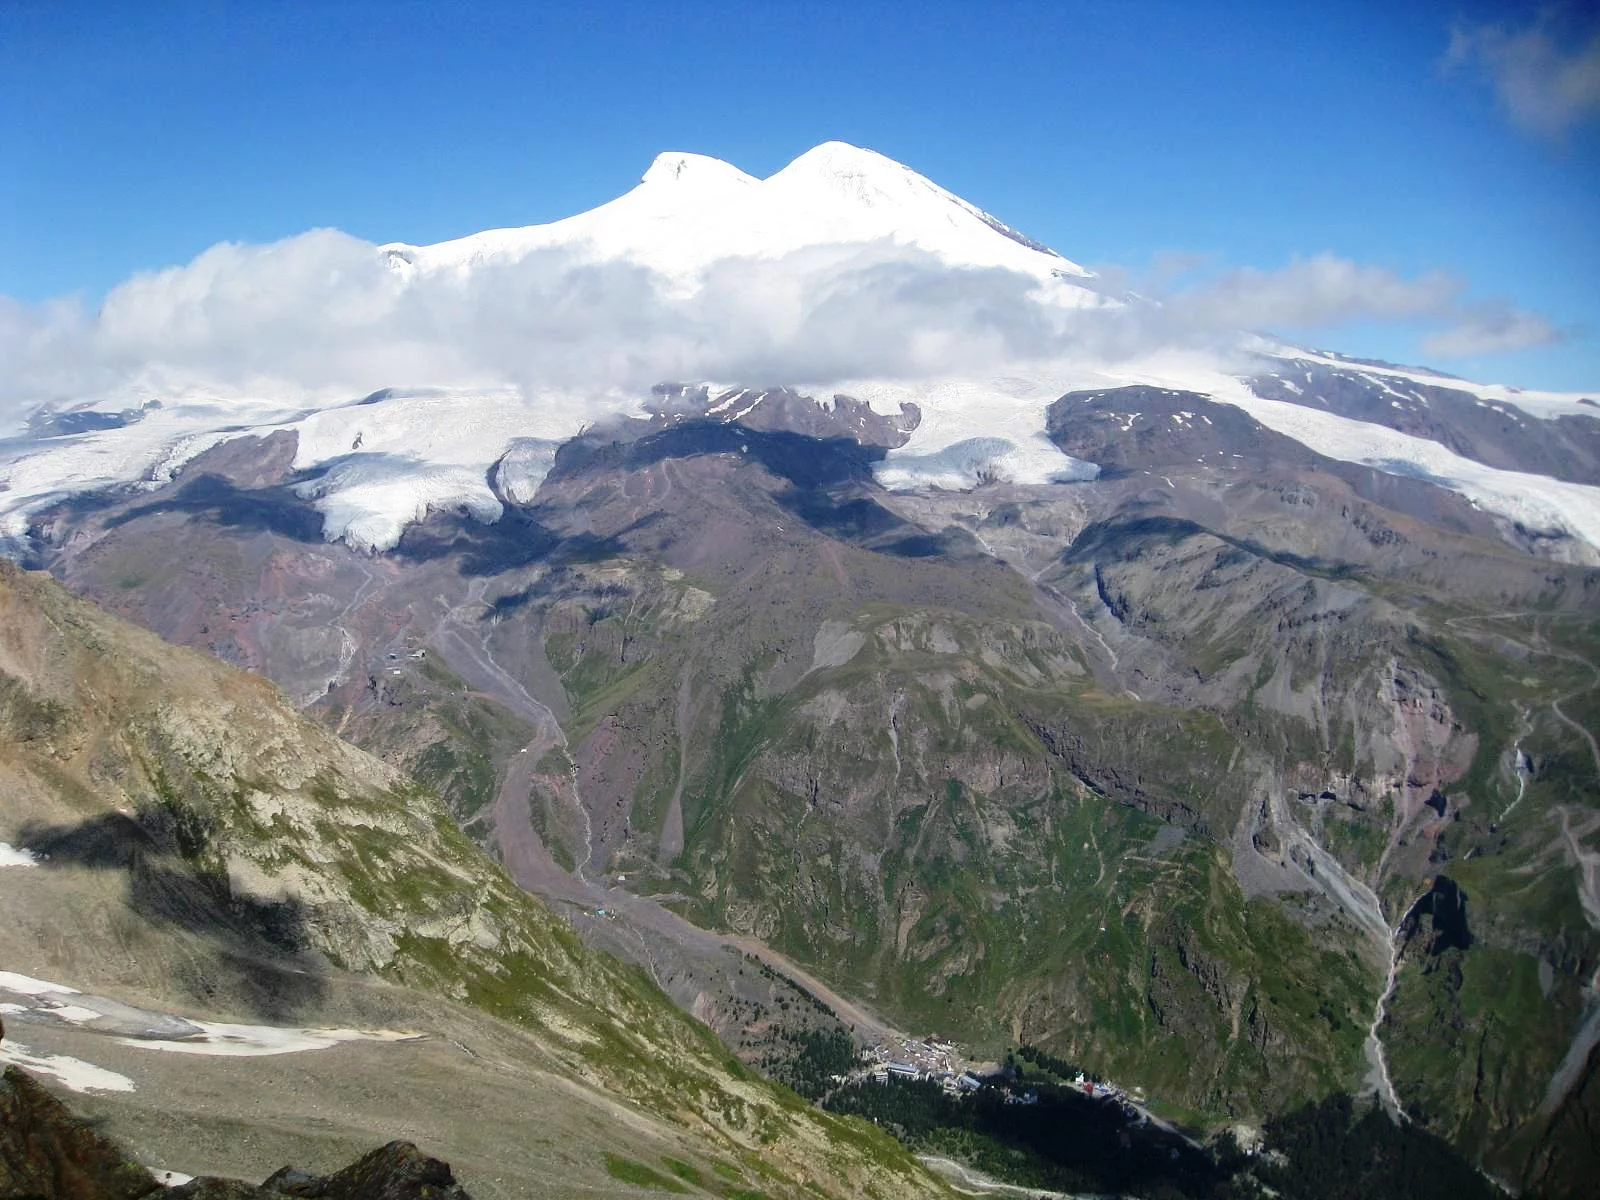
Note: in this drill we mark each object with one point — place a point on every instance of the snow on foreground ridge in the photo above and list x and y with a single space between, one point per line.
10 856
845 272
43 1003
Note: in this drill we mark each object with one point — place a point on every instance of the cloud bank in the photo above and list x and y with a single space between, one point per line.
1546 74
324 314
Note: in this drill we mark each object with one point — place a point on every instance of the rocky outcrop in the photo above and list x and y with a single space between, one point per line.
1110 768
398 1171
46 1153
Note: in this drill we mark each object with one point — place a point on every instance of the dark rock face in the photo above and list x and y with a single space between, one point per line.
398 1171
47 1153
1129 430
784 410
1445 906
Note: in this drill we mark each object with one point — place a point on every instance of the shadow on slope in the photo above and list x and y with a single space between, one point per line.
1125 539
261 948
518 539
274 509
827 478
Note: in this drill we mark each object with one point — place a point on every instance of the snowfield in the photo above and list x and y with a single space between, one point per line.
691 211
220 1040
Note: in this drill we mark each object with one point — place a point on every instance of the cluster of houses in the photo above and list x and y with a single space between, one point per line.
1112 1094
396 663
915 1058
933 1059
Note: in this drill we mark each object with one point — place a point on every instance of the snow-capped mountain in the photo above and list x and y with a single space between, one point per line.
690 211
844 274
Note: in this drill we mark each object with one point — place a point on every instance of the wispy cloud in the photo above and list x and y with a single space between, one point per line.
324 315
1316 293
1324 292
1492 329
1546 74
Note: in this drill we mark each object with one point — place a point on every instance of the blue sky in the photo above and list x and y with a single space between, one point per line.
1230 135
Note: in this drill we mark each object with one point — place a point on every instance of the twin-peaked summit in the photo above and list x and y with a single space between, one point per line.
690 211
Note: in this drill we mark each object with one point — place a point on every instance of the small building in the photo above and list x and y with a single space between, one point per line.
904 1070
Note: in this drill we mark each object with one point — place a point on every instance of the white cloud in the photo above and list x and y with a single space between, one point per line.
323 315
1547 75
1492 329
1327 291
1318 292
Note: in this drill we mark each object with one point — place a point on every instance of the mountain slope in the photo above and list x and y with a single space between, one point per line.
202 847
1144 771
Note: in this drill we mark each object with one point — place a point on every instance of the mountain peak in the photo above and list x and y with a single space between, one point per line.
680 167
842 157
852 169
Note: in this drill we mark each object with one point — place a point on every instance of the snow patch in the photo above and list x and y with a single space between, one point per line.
1537 502
224 1040
24 985
74 1013
72 1073
12 857
972 432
